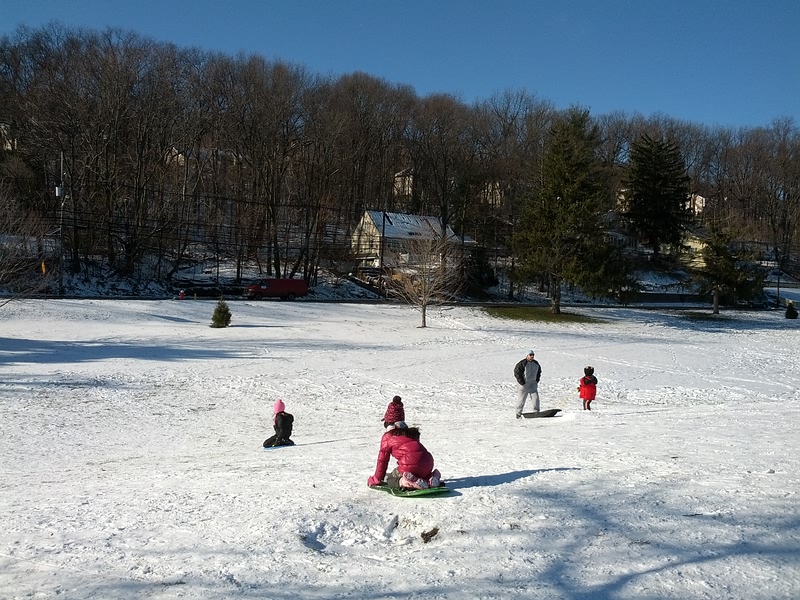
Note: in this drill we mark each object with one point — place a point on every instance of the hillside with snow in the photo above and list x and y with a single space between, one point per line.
132 464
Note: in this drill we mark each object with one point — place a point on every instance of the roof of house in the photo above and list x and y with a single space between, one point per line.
400 226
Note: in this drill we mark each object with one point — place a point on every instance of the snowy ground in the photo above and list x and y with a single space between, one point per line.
132 464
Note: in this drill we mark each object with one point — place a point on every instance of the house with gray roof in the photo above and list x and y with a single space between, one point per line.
381 238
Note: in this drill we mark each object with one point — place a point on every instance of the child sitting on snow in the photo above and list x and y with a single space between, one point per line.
282 423
791 311
588 387
414 463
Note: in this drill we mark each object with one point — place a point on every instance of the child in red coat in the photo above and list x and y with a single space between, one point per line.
414 462
588 387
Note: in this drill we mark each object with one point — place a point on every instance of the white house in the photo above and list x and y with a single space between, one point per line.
7 141
381 237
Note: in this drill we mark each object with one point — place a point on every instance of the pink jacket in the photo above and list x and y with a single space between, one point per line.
411 455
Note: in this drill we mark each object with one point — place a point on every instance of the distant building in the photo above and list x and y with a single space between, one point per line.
7 141
696 204
694 242
404 183
381 237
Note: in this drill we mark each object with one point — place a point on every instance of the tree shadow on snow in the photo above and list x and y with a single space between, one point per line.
666 543
52 351
173 319
499 479
55 351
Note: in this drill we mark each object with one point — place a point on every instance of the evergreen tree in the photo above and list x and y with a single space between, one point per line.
657 193
560 228
222 315
730 270
607 273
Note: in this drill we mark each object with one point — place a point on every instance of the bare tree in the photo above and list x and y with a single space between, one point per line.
28 263
509 134
431 274
163 152
374 117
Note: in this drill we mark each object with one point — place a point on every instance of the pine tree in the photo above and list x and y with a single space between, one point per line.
560 229
657 193
222 315
730 270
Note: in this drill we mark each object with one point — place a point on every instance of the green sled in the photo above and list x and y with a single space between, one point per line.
437 491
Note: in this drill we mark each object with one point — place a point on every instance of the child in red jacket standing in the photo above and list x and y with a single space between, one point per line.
588 387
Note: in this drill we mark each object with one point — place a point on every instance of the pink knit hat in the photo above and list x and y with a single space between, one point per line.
279 406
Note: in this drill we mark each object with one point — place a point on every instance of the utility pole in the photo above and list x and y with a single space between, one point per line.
60 194
383 243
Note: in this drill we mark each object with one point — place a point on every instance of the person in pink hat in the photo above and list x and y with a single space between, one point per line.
282 423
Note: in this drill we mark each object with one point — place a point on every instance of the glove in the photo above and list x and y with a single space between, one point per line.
373 481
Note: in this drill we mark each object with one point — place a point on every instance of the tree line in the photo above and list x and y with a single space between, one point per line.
162 154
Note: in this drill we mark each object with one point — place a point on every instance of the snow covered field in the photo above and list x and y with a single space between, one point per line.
132 464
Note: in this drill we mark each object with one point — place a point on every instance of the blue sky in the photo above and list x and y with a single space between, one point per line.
727 62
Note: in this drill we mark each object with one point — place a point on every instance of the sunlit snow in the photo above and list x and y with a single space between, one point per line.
132 464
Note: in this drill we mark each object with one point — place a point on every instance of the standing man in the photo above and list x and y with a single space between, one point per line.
527 373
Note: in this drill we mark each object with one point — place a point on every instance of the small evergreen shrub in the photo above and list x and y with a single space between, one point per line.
222 315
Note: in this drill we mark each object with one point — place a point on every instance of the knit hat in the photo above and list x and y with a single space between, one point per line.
279 407
395 411
531 353
588 371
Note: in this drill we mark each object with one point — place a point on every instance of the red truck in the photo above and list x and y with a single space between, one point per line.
285 289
